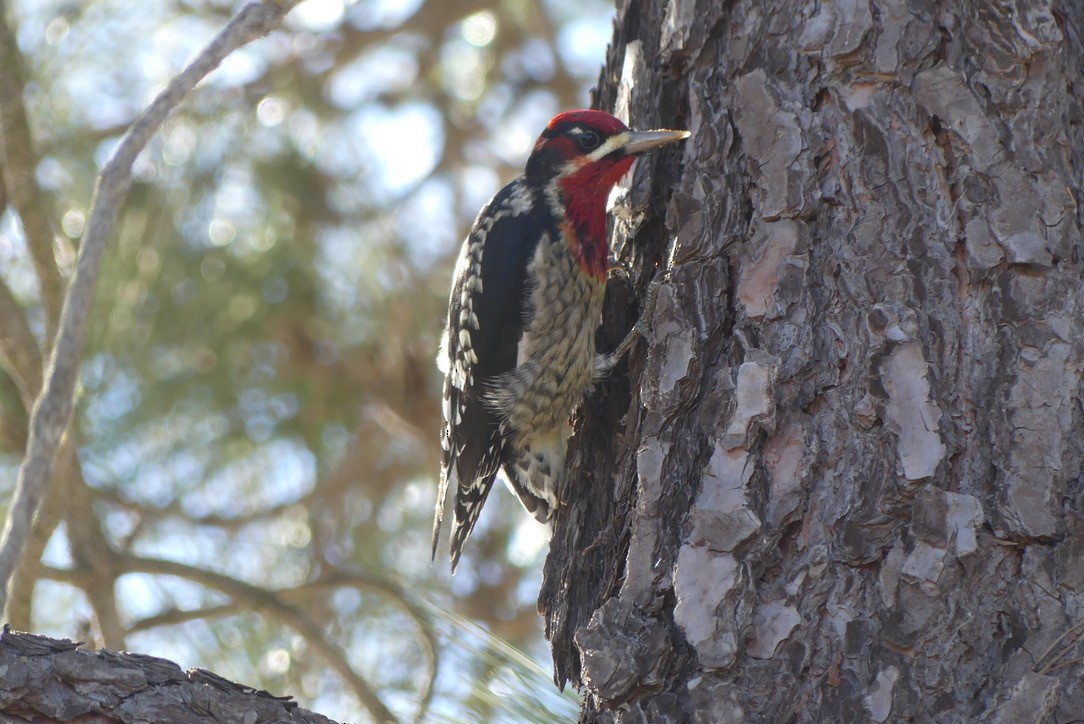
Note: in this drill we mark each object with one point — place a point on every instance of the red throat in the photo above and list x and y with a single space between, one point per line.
585 193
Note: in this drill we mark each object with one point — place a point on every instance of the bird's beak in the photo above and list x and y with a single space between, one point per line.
640 141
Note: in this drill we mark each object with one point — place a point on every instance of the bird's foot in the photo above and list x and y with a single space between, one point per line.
619 269
604 363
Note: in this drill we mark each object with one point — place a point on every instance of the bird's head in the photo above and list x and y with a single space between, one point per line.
590 151
577 161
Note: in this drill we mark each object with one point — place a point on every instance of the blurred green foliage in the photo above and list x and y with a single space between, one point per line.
259 399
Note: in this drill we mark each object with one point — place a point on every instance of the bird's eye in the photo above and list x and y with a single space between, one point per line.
588 140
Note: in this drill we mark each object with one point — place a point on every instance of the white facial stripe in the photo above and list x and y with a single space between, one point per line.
612 144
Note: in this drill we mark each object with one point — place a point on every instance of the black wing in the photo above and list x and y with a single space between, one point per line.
485 322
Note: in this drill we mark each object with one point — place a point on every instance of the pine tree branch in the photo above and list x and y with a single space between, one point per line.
55 680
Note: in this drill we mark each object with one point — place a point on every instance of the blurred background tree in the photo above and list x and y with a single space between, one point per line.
256 433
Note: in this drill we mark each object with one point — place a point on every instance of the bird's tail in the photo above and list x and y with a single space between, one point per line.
535 473
468 506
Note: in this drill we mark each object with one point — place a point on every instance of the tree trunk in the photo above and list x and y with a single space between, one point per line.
845 482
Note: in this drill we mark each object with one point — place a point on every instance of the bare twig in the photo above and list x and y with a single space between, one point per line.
174 508
53 411
19 606
21 358
19 353
90 549
19 165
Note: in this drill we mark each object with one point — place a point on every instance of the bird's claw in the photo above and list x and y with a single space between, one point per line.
619 269
605 363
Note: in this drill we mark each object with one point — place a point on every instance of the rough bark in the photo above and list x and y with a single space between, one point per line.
846 480
52 679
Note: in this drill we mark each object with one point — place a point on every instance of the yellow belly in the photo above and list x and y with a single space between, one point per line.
556 361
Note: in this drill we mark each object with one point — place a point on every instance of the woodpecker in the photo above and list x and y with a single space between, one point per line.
518 352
